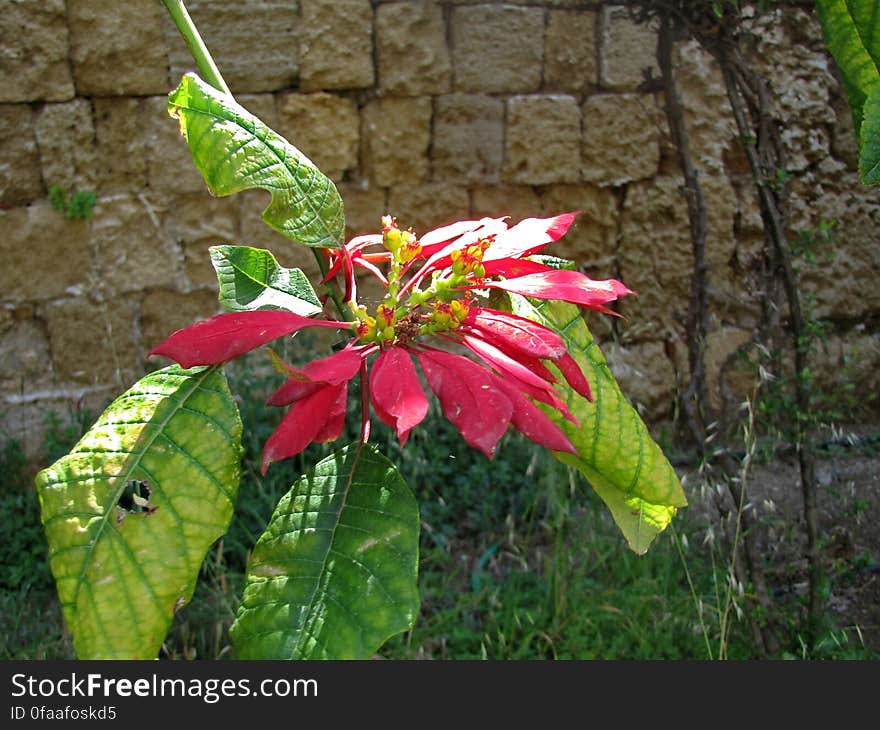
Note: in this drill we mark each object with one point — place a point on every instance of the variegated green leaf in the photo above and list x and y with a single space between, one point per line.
616 453
132 510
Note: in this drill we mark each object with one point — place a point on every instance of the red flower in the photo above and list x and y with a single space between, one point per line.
437 301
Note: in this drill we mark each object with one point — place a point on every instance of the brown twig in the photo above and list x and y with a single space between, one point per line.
695 397
775 230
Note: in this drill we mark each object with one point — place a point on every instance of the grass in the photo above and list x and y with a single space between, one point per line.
519 559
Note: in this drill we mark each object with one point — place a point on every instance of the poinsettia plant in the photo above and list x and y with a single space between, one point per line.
474 312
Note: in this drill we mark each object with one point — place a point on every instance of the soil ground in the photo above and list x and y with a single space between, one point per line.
848 477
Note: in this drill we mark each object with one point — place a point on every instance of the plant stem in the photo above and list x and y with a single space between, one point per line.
186 26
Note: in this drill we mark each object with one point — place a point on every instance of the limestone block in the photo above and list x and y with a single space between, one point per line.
732 295
655 256
468 138
44 254
543 139
364 207
646 377
132 249
711 129
66 136
495 201
23 414
118 53
547 3
591 240
164 311
627 50
20 180
34 52
93 342
621 139
844 144
254 43
411 49
397 133
325 127
24 356
197 222
425 207
336 44
570 58
497 48
843 281
122 144
170 167
790 51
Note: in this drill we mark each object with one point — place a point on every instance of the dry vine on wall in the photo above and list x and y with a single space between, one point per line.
719 28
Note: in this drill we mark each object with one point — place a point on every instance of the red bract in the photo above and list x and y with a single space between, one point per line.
529 236
516 333
309 418
340 367
396 393
481 404
567 286
226 336
470 400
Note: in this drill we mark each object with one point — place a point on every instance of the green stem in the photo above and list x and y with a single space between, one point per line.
209 71
207 67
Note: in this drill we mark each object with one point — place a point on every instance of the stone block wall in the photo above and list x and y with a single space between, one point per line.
431 111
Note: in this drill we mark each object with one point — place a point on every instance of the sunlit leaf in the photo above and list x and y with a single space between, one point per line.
235 151
131 511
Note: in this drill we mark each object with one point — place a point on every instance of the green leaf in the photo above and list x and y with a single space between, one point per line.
251 278
869 157
616 453
131 511
335 573
235 151
852 34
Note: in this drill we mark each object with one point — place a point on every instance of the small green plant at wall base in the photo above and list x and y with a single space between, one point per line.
472 312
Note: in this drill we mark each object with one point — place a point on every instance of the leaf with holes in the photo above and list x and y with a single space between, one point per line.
235 151
616 454
132 510
251 278
334 574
